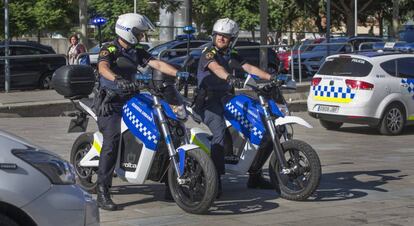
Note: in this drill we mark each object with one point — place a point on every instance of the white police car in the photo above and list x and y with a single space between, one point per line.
374 88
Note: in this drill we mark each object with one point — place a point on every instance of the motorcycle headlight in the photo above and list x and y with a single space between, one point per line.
284 109
179 111
56 169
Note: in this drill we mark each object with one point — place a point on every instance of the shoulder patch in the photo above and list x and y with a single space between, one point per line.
104 53
210 55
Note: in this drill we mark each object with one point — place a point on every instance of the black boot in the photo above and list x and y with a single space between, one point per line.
219 190
167 194
104 199
256 180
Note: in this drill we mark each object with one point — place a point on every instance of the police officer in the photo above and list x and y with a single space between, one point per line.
116 82
215 84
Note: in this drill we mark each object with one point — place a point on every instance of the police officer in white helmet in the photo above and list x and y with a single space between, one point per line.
215 84
117 83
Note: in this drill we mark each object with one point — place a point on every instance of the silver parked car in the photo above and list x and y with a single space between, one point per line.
38 188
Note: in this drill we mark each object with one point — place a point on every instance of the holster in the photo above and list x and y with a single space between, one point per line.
103 102
199 100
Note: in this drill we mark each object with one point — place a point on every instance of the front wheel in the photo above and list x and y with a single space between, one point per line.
87 176
306 171
199 189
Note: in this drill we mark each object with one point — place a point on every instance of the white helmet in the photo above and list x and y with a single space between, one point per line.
129 25
227 27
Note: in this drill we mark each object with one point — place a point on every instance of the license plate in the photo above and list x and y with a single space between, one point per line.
330 109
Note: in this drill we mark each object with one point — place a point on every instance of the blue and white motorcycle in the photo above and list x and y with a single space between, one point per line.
153 145
255 127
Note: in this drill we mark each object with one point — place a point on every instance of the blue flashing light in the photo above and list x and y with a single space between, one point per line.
188 29
394 46
99 21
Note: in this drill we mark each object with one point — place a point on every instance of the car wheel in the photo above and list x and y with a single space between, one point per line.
45 81
393 120
7 221
330 125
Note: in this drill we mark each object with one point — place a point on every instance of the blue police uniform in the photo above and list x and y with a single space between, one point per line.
110 125
217 90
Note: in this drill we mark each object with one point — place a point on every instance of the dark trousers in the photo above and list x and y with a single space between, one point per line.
110 127
212 115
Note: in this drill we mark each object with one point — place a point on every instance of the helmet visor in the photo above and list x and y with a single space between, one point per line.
137 33
150 25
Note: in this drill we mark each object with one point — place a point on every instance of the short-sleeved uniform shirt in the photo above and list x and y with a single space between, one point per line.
110 53
206 78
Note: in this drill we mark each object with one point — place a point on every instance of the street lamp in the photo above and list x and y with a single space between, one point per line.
356 18
99 21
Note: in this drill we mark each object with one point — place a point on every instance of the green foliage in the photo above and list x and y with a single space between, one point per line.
112 9
38 16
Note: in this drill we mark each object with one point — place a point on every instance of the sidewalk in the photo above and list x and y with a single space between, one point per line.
47 103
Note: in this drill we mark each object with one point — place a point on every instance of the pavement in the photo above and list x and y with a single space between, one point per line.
48 103
367 179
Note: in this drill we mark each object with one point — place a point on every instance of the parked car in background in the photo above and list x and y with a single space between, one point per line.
312 60
30 72
38 188
375 88
175 44
94 51
407 33
285 57
250 55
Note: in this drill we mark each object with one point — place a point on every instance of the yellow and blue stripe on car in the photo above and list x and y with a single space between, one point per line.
333 94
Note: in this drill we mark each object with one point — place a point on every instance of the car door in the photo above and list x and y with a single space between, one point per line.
405 71
26 71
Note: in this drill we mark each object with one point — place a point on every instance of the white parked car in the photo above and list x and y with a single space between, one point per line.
374 88
37 187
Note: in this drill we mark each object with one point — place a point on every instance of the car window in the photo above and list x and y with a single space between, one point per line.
346 66
405 67
390 67
25 51
333 48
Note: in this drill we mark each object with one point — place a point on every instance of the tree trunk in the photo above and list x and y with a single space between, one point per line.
83 22
253 36
395 18
350 26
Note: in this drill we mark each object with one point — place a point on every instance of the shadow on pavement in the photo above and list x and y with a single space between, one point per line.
238 199
354 184
408 130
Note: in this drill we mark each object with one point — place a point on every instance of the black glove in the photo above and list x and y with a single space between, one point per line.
124 84
234 82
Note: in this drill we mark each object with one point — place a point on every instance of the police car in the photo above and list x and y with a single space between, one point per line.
374 88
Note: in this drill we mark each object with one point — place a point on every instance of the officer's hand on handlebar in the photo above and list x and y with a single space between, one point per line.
234 82
182 75
124 84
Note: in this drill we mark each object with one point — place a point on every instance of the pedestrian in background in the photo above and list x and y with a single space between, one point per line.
75 49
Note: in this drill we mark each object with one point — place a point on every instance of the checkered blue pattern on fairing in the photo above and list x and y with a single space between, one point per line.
255 133
410 84
141 127
333 92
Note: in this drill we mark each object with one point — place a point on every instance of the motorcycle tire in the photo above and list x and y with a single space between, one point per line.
196 195
87 176
303 182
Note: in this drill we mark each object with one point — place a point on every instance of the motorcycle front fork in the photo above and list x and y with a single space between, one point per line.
167 136
277 147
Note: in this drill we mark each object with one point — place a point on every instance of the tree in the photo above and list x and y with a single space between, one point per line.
346 9
37 17
282 14
112 9
204 13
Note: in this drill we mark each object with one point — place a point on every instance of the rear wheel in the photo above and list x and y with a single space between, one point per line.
393 120
304 180
330 125
45 81
87 176
199 189
7 221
